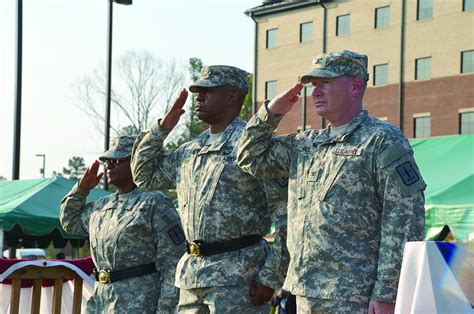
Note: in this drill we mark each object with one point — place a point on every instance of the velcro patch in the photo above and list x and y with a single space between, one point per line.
407 173
176 234
282 181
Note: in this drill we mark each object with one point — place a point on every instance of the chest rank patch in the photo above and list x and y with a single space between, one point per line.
282 182
407 173
176 235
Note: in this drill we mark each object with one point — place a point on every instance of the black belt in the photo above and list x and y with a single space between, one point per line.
201 248
111 275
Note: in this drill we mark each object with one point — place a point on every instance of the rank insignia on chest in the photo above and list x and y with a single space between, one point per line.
282 181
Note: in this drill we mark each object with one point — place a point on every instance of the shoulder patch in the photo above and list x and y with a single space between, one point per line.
176 235
407 173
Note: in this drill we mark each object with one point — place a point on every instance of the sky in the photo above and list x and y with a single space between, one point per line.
65 40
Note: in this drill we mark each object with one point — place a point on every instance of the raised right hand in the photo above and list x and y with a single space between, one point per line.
91 178
172 116
283 103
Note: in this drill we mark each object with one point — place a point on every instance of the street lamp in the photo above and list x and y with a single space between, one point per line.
44 163
109 80
18 82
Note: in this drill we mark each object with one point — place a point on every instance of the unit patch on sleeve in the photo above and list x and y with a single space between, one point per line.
176 235
407 173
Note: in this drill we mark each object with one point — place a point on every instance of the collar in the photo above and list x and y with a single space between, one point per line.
200 142
326 138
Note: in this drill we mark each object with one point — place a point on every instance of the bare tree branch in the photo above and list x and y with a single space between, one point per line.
143 87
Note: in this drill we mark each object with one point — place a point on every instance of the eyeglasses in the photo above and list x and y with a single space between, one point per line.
114 161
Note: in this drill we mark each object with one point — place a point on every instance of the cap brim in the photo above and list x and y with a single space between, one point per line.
203 84
318 73
114 155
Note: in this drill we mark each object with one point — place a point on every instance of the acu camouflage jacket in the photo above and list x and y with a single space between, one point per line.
354 200
217 201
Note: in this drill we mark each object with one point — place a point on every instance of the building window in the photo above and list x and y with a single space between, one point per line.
382 17
343 25
272 38
422 127
468 5
466 122
271 88
306 90
306 32
467 61
425 9
380 74
423 68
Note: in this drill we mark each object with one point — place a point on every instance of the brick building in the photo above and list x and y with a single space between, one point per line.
421 58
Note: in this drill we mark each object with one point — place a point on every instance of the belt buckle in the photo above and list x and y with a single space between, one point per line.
104 276
194 249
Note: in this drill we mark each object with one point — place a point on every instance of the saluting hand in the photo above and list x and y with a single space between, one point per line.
91 178
283 103
172 116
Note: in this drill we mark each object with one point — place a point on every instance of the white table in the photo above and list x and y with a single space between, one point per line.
436 277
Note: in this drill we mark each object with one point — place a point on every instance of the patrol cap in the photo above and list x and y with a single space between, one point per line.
120 148
220 75
338 63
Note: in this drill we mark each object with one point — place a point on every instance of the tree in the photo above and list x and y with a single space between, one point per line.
246 111
196 126
2 178
57 174
143 87
76 168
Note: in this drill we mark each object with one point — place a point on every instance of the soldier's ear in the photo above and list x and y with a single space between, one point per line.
357 86
233 95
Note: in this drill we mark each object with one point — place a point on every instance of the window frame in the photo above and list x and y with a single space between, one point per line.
461 124
338 20
464 5
462 61
417 78
267 84
267 41
375 74
421 118
301 32
420 18
376 17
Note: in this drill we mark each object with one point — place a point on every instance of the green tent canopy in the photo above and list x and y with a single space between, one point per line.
29 209
447 165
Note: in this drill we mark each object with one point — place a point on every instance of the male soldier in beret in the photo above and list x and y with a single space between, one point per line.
228 266
355 192
136 237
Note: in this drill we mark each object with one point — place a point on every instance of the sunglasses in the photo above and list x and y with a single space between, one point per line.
115 161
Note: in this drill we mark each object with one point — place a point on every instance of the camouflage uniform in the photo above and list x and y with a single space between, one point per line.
354 199
128 230
218 202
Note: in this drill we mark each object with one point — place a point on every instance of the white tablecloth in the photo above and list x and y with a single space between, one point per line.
46 292
436 277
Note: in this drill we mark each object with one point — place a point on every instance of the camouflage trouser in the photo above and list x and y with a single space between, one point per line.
228 299
323 306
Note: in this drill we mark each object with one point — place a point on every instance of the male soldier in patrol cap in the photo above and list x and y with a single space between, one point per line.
228 267
355 191
136 238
